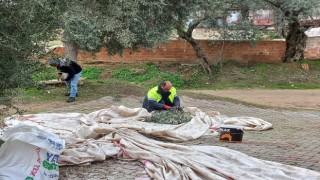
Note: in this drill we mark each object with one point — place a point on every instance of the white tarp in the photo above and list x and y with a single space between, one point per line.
113 132
78 125
171 161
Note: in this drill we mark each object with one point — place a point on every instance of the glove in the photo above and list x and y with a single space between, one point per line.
63 79
167 107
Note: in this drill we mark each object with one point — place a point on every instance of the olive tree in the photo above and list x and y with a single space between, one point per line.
196 11
25 27
289 14
202 12
91 25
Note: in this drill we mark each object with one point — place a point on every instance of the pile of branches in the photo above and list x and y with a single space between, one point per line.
173 116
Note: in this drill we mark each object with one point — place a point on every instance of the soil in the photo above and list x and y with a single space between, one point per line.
295 99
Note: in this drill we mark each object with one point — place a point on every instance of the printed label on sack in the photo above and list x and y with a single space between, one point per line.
50 163
55 144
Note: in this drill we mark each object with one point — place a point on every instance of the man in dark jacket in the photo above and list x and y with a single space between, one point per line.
162 97
73 70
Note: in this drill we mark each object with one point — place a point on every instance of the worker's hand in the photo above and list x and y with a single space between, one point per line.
177 108
59 76
167 107
63 79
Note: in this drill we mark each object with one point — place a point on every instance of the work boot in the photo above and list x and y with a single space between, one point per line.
68 94
71 99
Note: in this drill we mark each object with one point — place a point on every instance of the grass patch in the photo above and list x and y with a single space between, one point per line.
91 72
49 73
230 75
148 73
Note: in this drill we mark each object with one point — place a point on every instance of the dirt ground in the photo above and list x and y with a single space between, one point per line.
296 99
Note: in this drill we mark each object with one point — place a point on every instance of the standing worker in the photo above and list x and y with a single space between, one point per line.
73 70
162 97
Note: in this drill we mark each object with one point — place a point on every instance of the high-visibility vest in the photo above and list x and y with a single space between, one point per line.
154 95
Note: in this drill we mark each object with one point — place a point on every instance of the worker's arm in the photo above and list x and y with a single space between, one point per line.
176 101
157 106
70 72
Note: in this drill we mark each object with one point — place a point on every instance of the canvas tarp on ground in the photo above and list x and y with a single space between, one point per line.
114 132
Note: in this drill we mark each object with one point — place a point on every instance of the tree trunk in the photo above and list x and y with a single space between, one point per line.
296 43
71 51
195 45
203 58
187 35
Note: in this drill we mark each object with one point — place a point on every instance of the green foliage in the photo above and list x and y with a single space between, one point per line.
149 67
274 35
30 93
229 75
27 25
49 73
317 63
313 64
305 61
269 76
25 28
116 24
263 66
89 91
149 72
91 72
124 74
46 73
198 76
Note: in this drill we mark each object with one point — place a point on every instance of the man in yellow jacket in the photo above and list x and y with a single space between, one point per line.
162 97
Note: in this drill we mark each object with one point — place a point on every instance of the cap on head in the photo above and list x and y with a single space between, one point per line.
53 62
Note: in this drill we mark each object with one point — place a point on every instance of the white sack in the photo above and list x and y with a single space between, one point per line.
30 153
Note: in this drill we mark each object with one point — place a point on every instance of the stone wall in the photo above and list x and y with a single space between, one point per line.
182 52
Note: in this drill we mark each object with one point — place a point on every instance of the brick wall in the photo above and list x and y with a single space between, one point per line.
182 52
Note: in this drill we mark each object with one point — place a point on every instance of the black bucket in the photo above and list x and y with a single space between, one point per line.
230 133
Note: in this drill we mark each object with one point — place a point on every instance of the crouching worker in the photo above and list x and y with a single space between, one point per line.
162 97
73 70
